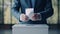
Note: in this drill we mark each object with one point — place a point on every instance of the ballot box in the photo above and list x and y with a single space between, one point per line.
30 29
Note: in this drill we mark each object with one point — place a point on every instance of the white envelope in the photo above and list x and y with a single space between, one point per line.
29 11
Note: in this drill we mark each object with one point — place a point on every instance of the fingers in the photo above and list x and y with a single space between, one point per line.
35 17
23 18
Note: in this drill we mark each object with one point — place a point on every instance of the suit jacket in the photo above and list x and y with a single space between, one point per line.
44 7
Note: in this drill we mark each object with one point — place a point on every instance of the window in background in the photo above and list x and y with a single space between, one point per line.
7 12
54 19
8 18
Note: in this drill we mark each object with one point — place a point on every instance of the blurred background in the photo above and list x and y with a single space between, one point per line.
7 20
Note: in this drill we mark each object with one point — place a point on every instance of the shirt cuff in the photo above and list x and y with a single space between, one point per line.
40 17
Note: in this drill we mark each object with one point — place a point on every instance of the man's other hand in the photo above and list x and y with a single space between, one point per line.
35 17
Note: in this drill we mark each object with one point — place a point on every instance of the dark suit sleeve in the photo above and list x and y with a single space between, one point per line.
48 10
15 8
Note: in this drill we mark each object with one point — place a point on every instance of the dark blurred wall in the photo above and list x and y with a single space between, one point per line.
59 10
1 12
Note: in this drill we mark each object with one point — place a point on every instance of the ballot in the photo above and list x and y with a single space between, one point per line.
29 11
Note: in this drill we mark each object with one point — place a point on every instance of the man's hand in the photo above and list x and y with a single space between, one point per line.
23 18
36 17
